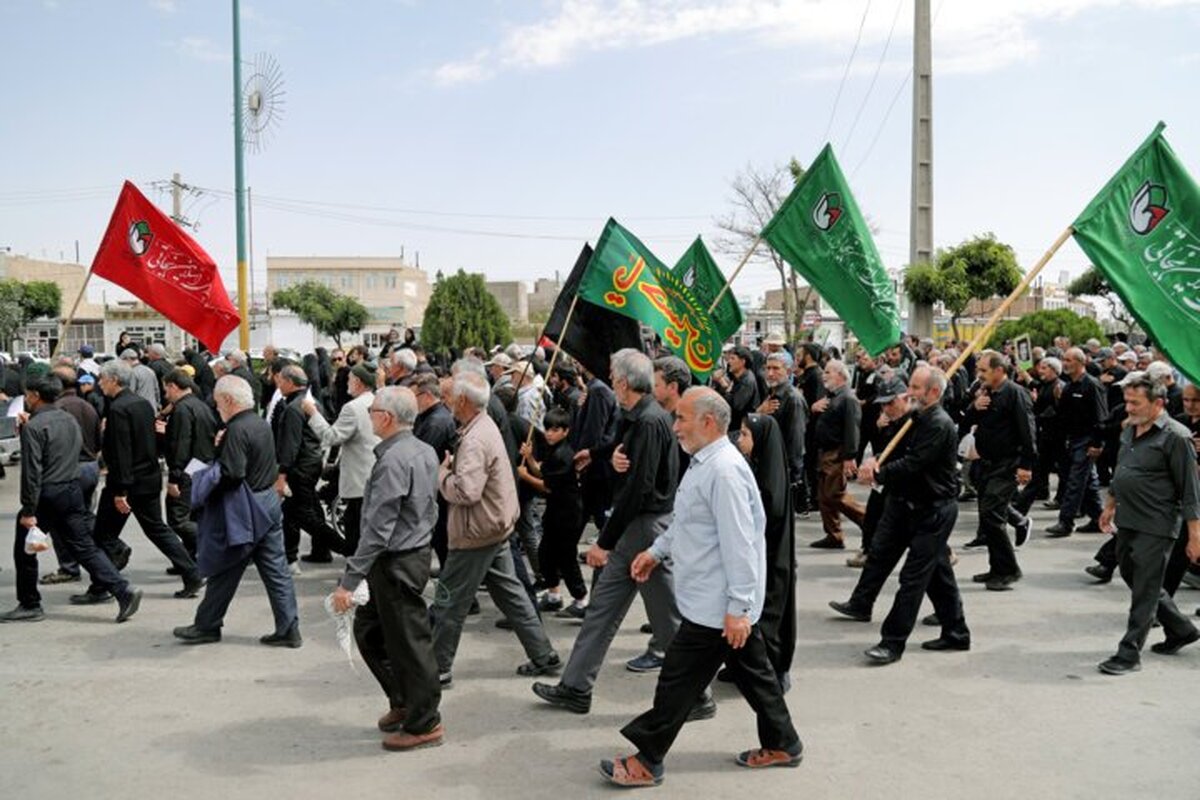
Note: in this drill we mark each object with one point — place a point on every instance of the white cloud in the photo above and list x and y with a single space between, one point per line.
164 6
970 36
201 48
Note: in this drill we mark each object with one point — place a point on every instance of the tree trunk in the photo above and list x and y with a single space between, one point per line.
954 327
789 306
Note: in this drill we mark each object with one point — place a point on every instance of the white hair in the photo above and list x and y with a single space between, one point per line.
404 358
707 401
157 350
635 368
237 358
471 365
236 389
1055 364
838 367
474 387
117 371
400 402
1159 372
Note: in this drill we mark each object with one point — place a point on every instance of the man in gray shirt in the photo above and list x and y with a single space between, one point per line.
144 382
1154 485
393 556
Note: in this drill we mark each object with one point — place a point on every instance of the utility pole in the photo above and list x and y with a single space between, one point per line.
920 239
177 199
240 185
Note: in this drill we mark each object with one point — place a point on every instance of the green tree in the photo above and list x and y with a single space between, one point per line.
1043 326
1093 284
977 269
331 313
22 302
462 313
42 299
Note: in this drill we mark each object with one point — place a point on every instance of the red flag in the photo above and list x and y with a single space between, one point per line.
144 251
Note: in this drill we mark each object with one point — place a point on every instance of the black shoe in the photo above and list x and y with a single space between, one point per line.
129 604
1023 531
1001 583
317 558
90 598
646 628
982 577
829 543
1118 666
24 614
1052 505
504 624
705 709
942 644
847 610
978 541
1101 573
289 638
725 675
932 621
474 609
190 634
176 571
1093 526
1058 531
880 655
552 665
190 588
122 561
967 497
59 576
1170 646
562 696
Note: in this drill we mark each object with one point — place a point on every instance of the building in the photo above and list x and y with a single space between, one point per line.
41 336
541 299
773 301
513 298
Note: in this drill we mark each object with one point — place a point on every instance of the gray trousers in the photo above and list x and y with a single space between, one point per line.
613 595
1142 559
461 575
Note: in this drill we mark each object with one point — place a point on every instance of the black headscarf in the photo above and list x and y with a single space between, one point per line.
768 460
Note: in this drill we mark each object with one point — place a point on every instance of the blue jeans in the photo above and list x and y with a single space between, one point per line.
1083 485
271 563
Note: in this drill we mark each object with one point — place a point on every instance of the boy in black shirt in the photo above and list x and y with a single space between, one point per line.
562 524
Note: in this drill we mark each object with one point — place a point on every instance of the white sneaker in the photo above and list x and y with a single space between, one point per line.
294 569
857 561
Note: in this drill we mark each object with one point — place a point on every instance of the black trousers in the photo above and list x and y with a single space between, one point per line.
61 511
1143 562
559 549
352 524
997 485
441 537
1177 565
302 511
926 570
393 635
692 661
871 519
179 515
148 512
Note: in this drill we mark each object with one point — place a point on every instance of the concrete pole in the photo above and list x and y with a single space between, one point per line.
240 186
920 241
177 199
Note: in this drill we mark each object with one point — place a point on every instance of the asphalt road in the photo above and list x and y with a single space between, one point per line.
99 710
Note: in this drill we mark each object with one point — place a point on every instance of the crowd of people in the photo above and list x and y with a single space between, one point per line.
485 469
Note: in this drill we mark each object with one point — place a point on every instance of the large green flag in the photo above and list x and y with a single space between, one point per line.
822 234
1143 233
698 272
627 278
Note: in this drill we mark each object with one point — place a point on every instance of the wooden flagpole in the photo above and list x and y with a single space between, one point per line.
986 333
62 334
728 283
553 358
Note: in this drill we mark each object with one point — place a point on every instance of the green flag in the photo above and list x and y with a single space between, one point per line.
625 277
1143 233
821 233
698 272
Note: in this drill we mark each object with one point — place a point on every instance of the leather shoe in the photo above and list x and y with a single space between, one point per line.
1170 646
829 543
1052 505
1001 583
190 589
847 610
1118 666
705 709
1058 531
982 577
881 655
190 634
1092 527
403 740
978 541
393 720
129 604
556 694
289 638
1022 529
932 621
1101 573
24 614
90 598
942 644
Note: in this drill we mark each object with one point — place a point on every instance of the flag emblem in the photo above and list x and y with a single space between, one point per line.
827 211
139 237
1148 208
689 277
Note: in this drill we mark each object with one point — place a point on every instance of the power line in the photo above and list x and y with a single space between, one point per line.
875 77
842 85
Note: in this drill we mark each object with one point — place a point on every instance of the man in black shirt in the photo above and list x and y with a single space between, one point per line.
1082 409
246 455
812 389
921 509
740 387
866 379
785 403
435 426
191 434
595 428
1003 416
836 439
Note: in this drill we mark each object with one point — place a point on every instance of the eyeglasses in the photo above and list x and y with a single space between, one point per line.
374 410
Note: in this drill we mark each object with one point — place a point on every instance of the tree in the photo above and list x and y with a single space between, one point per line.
462 313
22 302
756 197
977 269
1093 284
1043 326
331 313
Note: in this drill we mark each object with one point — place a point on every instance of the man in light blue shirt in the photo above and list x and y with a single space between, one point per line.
716 543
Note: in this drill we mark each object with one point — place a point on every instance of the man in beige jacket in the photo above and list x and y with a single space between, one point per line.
477 482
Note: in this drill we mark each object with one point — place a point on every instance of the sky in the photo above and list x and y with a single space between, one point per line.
498 136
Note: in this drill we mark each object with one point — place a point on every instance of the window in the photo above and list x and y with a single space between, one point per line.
389 282
372 281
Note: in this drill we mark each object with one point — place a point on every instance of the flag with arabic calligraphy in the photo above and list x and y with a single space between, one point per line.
144 251
625 277
698 272
1143 233
820 231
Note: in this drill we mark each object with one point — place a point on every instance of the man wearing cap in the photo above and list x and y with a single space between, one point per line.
87 361
497 368
143 383
352 432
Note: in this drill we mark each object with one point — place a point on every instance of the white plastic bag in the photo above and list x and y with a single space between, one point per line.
37 541
343 623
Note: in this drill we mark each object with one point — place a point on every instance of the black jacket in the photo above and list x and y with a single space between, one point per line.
191 429
130 448
927 471
1083 408
792 416
648 486
297 445
435 426
838 426
1005 429
50 445
743 398
247 453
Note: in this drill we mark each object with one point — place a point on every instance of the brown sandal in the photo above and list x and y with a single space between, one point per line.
630 772
762 757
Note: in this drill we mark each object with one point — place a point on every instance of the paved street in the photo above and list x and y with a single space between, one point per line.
103 711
